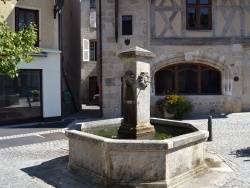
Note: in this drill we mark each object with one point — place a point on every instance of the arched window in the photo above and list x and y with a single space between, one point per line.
188 78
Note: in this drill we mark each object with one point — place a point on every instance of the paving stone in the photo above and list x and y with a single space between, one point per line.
44 165
231 140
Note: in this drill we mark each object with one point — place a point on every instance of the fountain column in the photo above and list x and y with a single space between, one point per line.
136 93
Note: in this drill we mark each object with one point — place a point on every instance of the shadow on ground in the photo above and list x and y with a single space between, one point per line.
205 116
245 152
55 173
58 124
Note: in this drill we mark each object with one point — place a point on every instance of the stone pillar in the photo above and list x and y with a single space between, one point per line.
136 93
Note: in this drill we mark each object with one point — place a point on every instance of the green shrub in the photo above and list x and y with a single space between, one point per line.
175 104
35 93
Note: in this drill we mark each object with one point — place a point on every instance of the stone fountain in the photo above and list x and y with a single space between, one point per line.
136 92
135 161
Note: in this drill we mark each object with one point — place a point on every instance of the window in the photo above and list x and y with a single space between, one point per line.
92 4
198 14
126 25
85 49
93 50
24 17
93 89
92 19
20 98
89 50
188 79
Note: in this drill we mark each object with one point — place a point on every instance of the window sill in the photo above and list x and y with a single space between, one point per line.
196 29
42 54
211 94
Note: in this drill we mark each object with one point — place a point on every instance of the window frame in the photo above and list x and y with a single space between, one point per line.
198 7
21 87
85 50
92 50
17 11
125 29
176 71
92 19
92 4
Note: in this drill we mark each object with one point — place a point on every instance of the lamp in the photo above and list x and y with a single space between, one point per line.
59 3
58 7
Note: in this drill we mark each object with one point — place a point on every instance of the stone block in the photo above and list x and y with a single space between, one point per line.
119 162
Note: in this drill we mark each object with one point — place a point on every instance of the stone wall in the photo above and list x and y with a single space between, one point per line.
112 65
225 48
88 68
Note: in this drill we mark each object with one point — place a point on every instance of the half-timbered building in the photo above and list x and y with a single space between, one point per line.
201 46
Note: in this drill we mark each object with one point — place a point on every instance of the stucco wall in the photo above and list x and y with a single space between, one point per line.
51 79
48 29
229 19
48 41
225 48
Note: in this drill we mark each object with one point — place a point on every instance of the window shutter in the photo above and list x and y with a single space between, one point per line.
85 47
92 19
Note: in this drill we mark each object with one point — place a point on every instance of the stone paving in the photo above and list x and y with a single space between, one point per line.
231 140
45 164
39 165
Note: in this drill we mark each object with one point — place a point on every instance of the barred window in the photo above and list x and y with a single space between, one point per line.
93 50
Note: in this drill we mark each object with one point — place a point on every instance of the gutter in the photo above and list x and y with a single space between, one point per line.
100 59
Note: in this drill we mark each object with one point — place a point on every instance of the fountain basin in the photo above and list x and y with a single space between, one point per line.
117 162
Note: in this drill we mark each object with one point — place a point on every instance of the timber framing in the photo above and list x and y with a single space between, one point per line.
229 24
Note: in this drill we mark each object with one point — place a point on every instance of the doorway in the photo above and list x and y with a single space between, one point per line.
93 90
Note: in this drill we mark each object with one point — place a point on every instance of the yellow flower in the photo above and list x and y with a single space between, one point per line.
173 98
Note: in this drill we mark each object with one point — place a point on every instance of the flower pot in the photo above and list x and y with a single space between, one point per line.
168 115
36 98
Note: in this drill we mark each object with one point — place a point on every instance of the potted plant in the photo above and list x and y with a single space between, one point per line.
35 95
175 106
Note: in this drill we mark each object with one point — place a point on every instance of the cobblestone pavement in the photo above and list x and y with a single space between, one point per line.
44 164
231 140
39 165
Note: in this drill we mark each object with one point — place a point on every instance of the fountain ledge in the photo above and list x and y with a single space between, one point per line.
117 162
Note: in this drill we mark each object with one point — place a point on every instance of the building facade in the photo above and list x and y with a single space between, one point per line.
89 83
201 46
36 94
71 56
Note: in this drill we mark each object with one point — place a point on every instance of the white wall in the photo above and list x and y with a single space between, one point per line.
51 84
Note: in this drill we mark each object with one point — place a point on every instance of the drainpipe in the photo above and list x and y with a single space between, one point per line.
100 59
116 21
58 12
61 56
60 28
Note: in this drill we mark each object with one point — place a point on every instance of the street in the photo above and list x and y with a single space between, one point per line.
17 135
37 155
